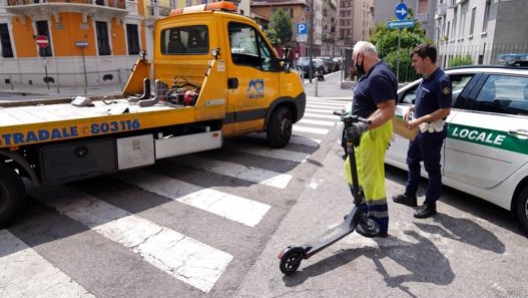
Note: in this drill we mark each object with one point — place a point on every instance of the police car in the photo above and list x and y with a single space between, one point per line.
486 150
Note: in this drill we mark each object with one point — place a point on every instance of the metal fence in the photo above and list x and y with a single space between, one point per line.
485 53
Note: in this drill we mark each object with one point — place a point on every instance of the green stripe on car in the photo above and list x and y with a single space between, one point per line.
488 137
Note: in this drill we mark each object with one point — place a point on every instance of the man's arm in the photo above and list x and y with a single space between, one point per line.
384 113
436 115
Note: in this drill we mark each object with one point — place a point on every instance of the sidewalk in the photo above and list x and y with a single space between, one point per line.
331 88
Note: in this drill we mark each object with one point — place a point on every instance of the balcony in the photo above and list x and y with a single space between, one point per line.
31 8
155 11
441 11
422 17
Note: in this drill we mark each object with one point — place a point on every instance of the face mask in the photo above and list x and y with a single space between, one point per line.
360 69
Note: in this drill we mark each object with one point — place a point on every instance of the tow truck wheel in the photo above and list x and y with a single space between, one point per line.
12 194
522 209
280 127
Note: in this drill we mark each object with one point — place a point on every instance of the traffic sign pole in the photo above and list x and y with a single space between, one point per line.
43 43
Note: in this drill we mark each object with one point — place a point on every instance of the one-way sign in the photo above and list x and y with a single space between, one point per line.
401 11
400 24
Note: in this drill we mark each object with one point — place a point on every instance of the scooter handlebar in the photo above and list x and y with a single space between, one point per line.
347 117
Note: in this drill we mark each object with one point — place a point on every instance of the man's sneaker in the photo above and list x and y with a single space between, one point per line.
405 200
368 228
425 211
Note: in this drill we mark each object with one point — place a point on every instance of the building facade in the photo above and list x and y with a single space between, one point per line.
90 42
481 29
355 21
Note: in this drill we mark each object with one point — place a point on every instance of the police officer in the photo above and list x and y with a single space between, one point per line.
431 108
374 99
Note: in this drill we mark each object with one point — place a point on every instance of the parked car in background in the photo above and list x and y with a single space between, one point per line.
303 63
330 65
339 61
486 150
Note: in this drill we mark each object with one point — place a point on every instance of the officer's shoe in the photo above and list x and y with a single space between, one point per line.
425 211
405 200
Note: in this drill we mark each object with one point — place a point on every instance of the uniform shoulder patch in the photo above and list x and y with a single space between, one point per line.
446 90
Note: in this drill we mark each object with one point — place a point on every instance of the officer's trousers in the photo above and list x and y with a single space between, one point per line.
425 147
370 156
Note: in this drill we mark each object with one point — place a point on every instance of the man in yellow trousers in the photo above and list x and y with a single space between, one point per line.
374 98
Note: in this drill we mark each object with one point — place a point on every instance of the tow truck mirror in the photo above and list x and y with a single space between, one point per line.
215 53
286 59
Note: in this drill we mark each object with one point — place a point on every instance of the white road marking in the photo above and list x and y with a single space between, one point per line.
25 273
317 122
326 116
324 106
319 131
269 152
182 257
298 140
230 169
242 210
321 112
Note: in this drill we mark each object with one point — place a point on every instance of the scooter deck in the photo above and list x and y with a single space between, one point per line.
334 234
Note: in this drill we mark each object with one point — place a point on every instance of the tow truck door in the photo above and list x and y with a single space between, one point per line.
253 76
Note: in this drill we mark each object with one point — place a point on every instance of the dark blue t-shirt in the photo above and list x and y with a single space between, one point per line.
435 92
377 86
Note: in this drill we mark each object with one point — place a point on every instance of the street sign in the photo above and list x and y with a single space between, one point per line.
42 41
81 44
302 32
401 11
302 28
400 24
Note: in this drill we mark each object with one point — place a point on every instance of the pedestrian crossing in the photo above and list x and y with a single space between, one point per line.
191 261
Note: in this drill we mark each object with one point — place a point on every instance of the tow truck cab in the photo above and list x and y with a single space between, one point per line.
252 88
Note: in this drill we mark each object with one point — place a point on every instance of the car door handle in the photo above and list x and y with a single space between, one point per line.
232 83
523 133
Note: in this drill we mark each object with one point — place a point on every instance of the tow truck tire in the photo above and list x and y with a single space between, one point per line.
280 127
12 195
522 209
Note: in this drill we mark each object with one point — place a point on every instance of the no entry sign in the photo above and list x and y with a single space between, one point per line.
42 41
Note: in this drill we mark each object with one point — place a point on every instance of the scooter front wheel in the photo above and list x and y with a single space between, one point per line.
291 260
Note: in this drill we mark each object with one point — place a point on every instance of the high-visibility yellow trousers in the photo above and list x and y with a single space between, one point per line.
370 155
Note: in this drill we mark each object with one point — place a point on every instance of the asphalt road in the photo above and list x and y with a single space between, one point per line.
154 232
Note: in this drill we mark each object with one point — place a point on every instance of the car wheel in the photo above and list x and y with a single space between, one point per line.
280 127
12 195
522 209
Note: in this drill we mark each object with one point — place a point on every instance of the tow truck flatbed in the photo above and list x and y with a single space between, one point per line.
42 123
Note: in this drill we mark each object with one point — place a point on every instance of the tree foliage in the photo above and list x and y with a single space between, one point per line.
282 25
460 60
271 34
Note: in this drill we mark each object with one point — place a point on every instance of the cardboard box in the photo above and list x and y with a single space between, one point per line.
401 129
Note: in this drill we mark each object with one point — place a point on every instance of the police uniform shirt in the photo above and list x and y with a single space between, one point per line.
377 86
433 93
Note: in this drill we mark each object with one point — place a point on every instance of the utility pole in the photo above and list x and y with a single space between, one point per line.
311 70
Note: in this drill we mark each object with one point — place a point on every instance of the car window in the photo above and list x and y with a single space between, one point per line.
458 81
505 94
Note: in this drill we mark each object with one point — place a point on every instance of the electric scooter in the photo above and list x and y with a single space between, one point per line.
291 257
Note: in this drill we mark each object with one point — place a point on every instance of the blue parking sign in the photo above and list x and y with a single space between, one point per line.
302 28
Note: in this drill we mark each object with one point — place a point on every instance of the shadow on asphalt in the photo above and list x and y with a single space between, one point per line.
464 202
465 231
424 262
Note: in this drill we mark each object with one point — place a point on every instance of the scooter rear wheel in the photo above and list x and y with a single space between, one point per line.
291 260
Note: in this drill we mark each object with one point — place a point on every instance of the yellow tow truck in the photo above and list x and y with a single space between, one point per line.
215 75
